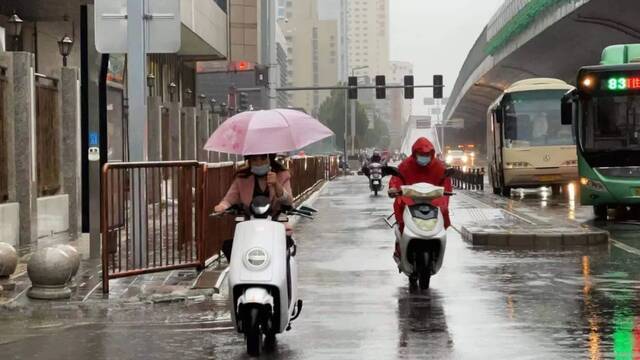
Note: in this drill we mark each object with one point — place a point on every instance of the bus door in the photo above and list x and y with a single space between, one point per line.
498 120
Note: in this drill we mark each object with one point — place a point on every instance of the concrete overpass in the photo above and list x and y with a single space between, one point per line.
416 128
536 38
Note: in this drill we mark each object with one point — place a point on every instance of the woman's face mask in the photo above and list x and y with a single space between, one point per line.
260 170
423 160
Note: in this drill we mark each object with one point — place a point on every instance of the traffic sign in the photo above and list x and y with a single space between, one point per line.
162 26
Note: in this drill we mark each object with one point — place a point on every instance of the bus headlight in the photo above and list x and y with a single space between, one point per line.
592 184
449 158
517 165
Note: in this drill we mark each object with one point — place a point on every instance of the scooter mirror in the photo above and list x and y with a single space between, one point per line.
308 208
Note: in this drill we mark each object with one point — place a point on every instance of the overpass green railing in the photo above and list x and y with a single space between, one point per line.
520 22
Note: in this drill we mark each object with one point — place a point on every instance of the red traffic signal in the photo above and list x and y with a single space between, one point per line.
381 92
408 86
437 86
353 87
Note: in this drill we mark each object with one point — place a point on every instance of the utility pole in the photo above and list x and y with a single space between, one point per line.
353 114
346 117
136 81
269 52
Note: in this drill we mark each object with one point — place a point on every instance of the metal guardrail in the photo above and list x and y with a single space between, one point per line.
468 179
507 11
171 196
177 196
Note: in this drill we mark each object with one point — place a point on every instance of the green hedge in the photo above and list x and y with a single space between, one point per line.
519 23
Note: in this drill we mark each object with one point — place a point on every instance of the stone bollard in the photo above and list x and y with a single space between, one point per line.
75 257
8 264
49 270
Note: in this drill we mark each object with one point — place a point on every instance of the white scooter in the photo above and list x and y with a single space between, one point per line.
422 244
262 275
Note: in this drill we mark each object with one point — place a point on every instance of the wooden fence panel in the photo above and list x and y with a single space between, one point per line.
48 140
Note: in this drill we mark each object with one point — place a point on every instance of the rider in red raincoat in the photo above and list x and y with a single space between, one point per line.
421 166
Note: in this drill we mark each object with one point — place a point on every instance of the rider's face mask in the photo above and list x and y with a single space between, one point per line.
261 170
423 160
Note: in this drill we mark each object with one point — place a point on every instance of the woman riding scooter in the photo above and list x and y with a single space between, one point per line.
421 166
263 176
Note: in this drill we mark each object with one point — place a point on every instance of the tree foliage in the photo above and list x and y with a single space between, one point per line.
332 114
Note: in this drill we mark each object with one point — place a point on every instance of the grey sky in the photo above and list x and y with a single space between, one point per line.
436 35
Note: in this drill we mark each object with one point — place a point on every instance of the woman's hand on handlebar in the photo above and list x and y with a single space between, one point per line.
394 193
219 208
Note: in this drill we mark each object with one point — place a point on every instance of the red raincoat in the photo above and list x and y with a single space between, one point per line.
433 173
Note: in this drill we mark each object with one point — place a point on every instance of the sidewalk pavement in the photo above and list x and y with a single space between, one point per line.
167 286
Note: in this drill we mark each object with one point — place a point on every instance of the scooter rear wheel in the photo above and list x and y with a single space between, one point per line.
253 333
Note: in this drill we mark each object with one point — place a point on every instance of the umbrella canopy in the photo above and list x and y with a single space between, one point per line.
267 132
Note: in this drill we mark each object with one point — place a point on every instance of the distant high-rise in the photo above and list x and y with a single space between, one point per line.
400 107
311 30
368 36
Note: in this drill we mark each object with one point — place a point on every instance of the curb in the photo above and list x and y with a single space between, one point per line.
533 240
220 281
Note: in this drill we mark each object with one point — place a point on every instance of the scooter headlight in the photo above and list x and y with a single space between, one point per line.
426 225
256 258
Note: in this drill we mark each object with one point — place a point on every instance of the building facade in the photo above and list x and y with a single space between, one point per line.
312 36
400 107
368 36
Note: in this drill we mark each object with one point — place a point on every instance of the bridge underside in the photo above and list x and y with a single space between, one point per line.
559 51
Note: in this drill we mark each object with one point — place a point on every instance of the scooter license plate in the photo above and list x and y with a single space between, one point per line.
376 182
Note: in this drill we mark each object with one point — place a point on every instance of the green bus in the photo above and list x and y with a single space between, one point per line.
605 112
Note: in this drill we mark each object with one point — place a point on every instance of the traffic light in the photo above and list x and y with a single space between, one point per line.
262 75
381 92
243 102
437 86
353 87
408 86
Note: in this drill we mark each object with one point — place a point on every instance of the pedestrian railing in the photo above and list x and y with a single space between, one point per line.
175 199
4 159
468 178
216 230
151 217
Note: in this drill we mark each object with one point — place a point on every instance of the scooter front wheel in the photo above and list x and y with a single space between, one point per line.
253 333
423 267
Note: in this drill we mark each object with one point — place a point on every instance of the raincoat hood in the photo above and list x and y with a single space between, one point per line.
422 146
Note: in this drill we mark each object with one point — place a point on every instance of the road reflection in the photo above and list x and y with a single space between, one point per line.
422 324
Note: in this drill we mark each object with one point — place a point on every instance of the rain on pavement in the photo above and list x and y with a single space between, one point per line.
484 304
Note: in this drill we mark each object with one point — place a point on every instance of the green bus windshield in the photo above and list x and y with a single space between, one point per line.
611 123
532 118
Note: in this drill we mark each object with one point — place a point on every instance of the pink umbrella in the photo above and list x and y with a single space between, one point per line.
266 132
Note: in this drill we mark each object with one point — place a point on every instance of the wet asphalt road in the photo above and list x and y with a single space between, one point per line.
484 304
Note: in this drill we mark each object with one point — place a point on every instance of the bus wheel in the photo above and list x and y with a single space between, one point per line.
600 211
555 189
506 191
496 191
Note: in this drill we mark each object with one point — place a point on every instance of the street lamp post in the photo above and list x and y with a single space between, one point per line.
172 90
14 29
151 82
353 115
64 47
